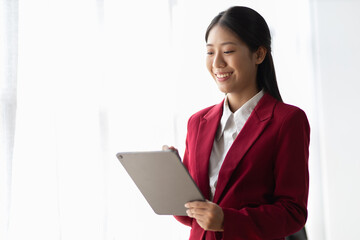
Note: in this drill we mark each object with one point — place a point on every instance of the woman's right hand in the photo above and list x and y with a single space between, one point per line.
171 148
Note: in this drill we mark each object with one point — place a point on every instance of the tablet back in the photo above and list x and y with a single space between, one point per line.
162 179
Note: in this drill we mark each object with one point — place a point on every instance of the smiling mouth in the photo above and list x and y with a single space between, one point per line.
223 76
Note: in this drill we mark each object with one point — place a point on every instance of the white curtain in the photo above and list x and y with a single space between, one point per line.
97 77
8 77
58 167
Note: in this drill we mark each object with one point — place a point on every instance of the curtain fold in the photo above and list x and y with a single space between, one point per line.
8 84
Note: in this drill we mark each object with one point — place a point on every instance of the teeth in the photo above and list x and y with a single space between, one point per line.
223 75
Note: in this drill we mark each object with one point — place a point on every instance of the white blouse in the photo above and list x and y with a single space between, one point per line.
228 129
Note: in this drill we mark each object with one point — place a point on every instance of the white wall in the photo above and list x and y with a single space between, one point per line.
337 50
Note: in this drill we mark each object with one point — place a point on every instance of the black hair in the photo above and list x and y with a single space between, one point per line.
253 30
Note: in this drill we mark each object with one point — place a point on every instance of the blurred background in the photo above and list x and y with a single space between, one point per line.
81 80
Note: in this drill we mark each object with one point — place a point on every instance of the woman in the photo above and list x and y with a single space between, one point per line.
248 154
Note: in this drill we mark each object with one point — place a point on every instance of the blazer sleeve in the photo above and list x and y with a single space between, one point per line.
185 219
288 212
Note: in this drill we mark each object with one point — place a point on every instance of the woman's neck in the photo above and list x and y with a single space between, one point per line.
236 101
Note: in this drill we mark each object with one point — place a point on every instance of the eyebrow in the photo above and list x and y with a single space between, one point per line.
222 44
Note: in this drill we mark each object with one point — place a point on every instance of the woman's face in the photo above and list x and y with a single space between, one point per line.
231 63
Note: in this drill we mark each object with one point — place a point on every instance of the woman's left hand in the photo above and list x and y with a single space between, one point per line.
207 214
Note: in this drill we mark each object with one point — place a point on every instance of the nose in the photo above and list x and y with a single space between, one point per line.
219 61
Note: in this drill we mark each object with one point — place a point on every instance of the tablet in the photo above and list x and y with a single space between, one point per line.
162 179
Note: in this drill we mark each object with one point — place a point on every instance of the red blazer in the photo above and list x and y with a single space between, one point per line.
263 182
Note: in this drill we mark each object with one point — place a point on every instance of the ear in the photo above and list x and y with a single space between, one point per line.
260 54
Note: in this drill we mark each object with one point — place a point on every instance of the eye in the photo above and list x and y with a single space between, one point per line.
209 53
228 52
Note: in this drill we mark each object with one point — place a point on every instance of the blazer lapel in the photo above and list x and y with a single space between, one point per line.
206 135
252 129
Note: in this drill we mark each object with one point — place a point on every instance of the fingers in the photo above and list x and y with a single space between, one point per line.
198 209
195 213
198 204
208 214
166 147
